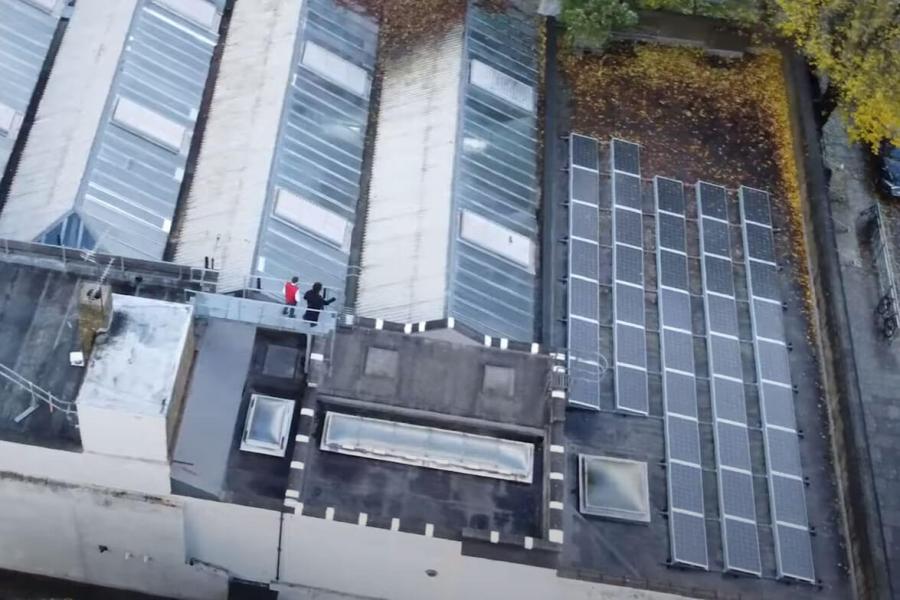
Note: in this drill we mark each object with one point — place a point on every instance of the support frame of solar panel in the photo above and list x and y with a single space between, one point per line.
629 326
787 496
734 472
583 297
684 474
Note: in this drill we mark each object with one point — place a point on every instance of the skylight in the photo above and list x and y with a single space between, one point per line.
502 85
201 12
149 124
317 220
332 67
497 239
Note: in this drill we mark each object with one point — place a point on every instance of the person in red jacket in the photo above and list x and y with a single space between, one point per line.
291 295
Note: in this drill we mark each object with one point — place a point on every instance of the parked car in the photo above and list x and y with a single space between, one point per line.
889 169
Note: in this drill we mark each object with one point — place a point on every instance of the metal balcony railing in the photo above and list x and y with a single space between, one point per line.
261 313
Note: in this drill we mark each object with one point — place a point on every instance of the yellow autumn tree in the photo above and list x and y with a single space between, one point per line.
856 44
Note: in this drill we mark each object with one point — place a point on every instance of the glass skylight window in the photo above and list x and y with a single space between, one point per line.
201 12
498 239
332 67
149 124
319 221
502 85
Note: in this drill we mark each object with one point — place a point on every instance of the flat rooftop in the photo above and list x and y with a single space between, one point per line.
457 386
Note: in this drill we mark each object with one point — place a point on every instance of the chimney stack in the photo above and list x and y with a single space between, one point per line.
95 311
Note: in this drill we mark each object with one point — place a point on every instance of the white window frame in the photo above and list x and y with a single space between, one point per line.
498 240
501 85
336 69
140 120
313 218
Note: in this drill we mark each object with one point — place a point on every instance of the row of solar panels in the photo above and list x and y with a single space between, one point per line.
733 467
787 497
732 441
584 360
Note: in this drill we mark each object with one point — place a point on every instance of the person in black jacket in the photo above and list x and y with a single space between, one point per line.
315 302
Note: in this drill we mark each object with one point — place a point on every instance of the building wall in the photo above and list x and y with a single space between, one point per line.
225 205
118 433
407 231
54 159
240 539
99 536
85 468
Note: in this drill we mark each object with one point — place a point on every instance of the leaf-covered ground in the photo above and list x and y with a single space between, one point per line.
696 117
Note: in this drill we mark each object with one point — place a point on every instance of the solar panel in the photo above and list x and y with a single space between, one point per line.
675 309
629 304
626 157
682 435
712 200
737 504
627 189
793 545
631 389
688 533
741 546
629 338
583 308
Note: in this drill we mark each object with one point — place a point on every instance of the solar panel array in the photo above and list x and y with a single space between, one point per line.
793 547
740 538
583 308
629 334
687 522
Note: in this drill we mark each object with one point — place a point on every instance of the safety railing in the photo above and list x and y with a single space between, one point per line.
887 310
37 394
116 267
262 313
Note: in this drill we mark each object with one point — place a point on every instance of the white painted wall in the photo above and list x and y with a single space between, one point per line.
380 563
56 154
57 531
407 231
228 193
85 468
241 539
119 433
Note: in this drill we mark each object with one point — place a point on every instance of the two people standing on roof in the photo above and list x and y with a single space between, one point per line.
315 301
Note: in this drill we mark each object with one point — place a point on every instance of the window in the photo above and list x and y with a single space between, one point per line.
502 85
9 121
149 124
200 12
498 239
319 221
332 67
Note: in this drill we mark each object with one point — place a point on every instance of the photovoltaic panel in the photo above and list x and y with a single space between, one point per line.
583 308
737 508
629 304
793 545
627 189
584 152
585 221
629 227
584 259
688 532
629 342
682 436
626 157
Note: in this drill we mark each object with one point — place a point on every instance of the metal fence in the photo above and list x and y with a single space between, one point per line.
36 393
262 313
96 264
886 310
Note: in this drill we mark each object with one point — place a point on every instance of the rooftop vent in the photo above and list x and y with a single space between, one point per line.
268 425
614 488
429 447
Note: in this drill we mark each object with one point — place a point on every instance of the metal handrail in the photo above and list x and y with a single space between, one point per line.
38 394
888 307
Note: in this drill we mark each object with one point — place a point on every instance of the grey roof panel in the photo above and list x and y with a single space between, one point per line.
486 291
319 153
26 34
